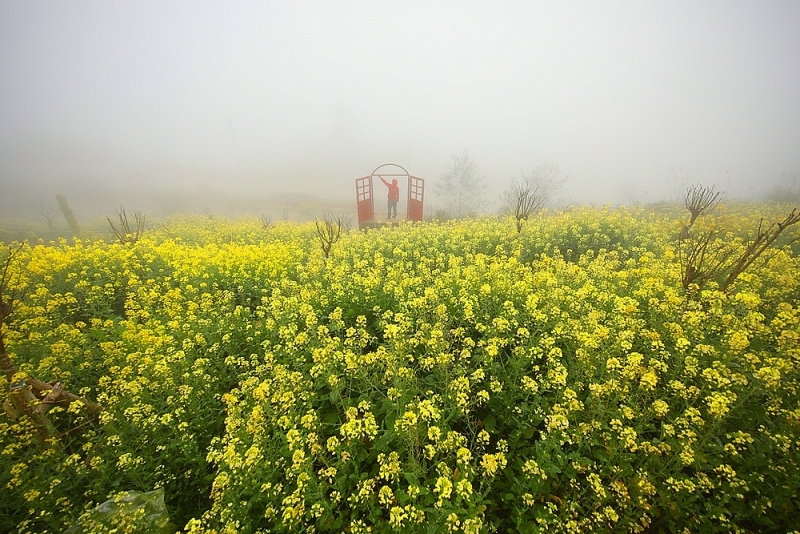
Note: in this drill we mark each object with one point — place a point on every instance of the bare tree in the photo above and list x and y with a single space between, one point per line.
45 211
266 221
531 193
528 203
699 199
787 192
329 231
461 188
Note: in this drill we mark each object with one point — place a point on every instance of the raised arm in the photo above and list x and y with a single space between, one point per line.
387 184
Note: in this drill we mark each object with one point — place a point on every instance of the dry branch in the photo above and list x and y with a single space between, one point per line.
125 234
709 258
762 241
705 260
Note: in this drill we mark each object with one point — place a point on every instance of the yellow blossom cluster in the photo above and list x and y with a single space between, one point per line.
451 377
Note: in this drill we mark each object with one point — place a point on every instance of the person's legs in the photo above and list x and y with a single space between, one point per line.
389 209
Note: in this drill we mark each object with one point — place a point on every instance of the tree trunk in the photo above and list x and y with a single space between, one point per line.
68 215
6 364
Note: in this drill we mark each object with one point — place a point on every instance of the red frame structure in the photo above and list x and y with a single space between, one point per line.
365 199
365 195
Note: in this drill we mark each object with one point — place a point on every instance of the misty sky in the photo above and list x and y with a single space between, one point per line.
308 96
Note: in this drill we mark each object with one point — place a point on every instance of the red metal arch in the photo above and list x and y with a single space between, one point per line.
365 195
375 172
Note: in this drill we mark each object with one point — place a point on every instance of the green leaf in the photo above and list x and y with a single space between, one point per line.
489 423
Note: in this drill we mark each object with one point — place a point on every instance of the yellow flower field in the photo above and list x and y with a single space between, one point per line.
452 377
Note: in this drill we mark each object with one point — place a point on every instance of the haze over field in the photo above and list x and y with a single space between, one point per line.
126 101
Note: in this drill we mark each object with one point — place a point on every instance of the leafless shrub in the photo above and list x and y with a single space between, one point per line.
528 201
329 231
531 193
706 258
125 234
266 221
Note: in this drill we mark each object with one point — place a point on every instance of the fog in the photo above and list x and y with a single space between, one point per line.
159 104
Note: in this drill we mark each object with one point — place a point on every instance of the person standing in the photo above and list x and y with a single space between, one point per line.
394 197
